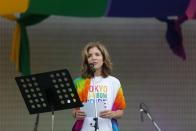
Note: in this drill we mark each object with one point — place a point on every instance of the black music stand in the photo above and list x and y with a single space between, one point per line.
48 92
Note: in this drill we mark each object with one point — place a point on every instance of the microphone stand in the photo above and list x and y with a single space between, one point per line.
95 105
142 110
154 123
92 70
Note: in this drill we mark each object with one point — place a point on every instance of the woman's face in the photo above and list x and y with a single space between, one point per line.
95 57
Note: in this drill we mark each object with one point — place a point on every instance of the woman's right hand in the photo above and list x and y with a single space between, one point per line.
78 114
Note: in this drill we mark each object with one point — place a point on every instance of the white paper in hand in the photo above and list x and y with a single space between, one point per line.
89 108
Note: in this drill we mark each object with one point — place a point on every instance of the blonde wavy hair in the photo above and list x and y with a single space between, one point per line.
107 64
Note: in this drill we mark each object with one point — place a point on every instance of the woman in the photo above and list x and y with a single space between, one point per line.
96 80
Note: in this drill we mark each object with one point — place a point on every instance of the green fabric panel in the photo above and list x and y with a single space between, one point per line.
83 8
31 19
24 52
24 21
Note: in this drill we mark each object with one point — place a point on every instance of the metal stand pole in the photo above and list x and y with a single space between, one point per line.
52 120
96 126
36 123
154 123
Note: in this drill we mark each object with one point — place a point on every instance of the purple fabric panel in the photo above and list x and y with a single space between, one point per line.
174 35
174 38
147 8
191 10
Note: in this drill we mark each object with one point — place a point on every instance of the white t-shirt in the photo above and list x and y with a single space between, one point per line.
105 90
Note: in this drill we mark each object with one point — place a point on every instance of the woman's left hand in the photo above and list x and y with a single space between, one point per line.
107 114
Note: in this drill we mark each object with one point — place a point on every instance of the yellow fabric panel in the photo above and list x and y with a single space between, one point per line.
15 53
15 50
13 6
10 17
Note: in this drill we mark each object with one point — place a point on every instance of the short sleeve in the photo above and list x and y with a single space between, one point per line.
119 103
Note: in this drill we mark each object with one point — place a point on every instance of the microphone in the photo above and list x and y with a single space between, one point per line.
92 69
141 113
144 109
